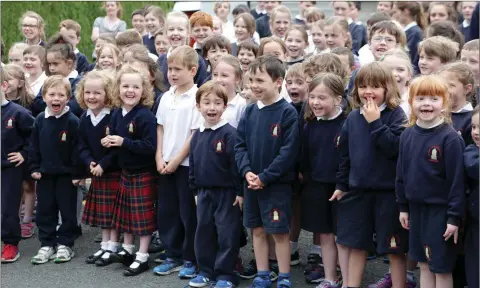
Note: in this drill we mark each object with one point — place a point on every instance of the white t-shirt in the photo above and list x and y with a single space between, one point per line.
179 116
234 111
365 55
36 85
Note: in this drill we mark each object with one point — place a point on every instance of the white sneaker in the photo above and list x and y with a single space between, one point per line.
45 254
64 254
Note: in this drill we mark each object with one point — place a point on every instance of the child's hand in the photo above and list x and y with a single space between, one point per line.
36 175
75 182
115 140
92 165
371 112
105 141
160 164
250 177
337 195
16 157
97 171
451 230
171 167
257 184
239 201
404 220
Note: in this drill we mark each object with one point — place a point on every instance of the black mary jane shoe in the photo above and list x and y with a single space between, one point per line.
92 258
105 262
126 259
135 271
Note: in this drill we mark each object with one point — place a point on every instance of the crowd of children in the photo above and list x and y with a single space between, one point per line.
365 135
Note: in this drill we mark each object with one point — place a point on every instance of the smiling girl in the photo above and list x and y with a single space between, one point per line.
33 26
108 57
280 21
153 22
296 41
33 61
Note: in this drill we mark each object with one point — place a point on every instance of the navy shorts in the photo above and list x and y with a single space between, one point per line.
427 244
270 208
360 213
317 211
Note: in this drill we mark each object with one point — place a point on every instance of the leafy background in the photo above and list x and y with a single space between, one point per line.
54 12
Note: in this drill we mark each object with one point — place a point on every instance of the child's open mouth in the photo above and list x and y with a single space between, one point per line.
426 111
212 115
56 107
294 95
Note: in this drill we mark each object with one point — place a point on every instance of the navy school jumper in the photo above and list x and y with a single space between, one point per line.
17 123
267 142
53 153
462 123
149 42
471 162
414 37
263 26
430 170
361 142
82 63
359 36
213 175
39 105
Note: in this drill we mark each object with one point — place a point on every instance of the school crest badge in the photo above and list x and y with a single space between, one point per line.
107 130
63 136
131 127
394 242
275 215
428 252
219 146
9 123
275 130
434 154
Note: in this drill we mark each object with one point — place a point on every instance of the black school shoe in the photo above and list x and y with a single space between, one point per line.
125 258
101 262
156 245
135 271
92 258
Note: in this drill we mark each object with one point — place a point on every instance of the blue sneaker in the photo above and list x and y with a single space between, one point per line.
224 284
284 283
167 267
189 270
199 281
260 282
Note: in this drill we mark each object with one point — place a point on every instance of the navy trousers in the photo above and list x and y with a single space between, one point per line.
176 216
56 193
218 231
11 198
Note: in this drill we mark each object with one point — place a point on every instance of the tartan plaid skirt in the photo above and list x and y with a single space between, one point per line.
100 199
134 210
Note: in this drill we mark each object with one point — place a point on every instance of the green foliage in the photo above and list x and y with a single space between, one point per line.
54 12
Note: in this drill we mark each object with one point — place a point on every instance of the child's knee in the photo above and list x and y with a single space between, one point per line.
281 238
259 233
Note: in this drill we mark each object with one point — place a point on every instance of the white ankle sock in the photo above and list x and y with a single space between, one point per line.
142 257
293 247
104 245
112 246
128 247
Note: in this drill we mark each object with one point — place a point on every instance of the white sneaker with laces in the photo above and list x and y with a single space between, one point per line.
45 254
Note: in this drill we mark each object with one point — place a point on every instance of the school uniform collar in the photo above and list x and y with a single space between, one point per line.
440 122
261 105
48 114
5 103
381 108
97 119
125 112
196 46
410 25
169 51
234 100
42 78
221 123
467 108
150 36
73 74
260 12
339 112
299 17
349 20
465 24
76 51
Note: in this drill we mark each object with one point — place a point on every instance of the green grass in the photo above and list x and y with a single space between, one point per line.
54 12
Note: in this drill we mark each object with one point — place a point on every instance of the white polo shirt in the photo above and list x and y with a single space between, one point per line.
234 111
179 116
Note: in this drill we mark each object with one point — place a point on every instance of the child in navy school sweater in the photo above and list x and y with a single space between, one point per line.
460 85
325 119
266 149
214 179
61 61
71 30
430 182
53 162
132 140
366 175
17 125
470 157
94 94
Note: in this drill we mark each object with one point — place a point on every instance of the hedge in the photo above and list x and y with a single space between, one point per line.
54 12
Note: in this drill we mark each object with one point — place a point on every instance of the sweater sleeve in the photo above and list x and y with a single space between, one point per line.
191 165
237 180
288 153
399 184
471 162
202 74
38 105
26 125
387 138
344 160
76 165
455 181
473 33
82 63
241 151
83 150
147 144
34 149
304 153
